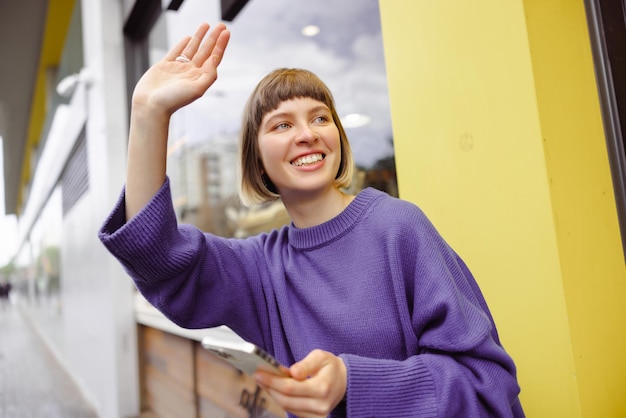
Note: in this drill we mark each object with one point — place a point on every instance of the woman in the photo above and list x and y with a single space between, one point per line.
375 313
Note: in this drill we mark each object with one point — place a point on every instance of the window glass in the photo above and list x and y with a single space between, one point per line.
37 263
339 41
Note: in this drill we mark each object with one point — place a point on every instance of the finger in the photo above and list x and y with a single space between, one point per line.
284 385
220 47
192 46
309 365
308 398
177 49
218 52
299 405
215 44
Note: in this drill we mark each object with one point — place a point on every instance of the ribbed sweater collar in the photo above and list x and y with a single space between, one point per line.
320 235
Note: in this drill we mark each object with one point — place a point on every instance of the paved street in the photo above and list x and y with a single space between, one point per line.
32 383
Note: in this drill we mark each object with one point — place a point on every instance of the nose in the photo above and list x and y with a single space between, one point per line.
307 134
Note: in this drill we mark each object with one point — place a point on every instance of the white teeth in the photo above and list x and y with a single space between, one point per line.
308 159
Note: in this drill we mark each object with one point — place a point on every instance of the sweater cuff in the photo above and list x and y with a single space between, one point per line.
136 238
389 388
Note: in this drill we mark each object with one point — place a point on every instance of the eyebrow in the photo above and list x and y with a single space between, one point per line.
281 115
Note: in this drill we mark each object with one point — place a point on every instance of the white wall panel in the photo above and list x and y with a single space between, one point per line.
98 315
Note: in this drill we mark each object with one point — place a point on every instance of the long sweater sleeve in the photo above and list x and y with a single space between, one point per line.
196 280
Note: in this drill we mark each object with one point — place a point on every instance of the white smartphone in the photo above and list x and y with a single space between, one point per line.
244 355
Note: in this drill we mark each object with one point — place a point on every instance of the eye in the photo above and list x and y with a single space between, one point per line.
281 126
321 119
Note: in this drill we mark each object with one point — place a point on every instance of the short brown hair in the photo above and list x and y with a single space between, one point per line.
278 86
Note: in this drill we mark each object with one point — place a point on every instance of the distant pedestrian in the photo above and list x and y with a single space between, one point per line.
5 291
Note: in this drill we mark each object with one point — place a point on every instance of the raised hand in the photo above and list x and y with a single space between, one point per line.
316 386
181 77
185 73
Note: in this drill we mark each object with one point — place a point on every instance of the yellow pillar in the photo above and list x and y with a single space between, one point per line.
499 139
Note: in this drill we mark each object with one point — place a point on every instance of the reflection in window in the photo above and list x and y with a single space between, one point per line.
340 41
38 261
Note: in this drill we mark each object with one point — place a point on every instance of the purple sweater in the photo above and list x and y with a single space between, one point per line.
376 285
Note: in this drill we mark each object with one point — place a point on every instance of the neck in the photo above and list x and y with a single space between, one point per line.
307 210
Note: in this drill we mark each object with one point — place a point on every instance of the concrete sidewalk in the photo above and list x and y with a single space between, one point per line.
32 382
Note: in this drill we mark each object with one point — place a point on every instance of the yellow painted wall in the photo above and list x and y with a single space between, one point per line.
499 139
583 201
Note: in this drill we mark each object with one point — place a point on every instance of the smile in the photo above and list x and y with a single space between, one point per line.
308 159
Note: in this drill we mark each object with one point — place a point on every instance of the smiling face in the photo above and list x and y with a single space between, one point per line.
300 147
274 96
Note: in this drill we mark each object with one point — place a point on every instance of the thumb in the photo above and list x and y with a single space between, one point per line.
308 366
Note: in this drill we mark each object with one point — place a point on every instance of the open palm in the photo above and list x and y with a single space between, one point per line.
175 82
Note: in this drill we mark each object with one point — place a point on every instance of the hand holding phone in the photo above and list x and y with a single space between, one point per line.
244 355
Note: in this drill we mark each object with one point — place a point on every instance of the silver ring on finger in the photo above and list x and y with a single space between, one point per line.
183 58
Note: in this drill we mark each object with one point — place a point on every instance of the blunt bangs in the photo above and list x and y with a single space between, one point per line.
286 84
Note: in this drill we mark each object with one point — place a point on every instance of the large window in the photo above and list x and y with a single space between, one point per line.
340 41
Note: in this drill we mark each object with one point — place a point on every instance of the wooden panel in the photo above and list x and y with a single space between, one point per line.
180 379
167 398
168 374
172 354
